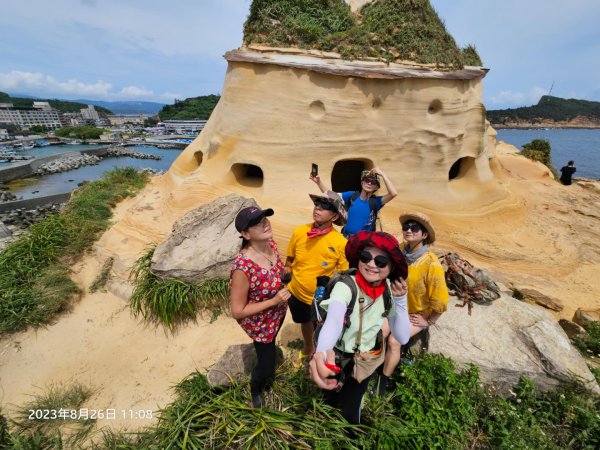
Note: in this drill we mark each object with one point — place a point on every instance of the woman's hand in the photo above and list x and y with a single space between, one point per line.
418 320
399 287
315 178
283 295
319 373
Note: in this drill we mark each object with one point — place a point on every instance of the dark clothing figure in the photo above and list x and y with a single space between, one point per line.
567 172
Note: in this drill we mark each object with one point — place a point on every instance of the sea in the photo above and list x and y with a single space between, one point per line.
579 145
59 183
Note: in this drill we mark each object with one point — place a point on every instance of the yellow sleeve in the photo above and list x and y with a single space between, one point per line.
436 287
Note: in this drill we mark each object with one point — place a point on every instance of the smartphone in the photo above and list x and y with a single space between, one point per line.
315 170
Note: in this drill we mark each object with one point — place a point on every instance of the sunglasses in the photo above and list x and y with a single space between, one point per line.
380 260
414 227
325 205
371 181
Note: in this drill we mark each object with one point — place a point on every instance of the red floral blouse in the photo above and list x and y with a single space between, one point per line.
264 284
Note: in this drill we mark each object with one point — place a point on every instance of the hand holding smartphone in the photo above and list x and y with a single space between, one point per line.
315 170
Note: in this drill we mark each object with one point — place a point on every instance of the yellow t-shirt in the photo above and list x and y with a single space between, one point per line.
427 290
315 257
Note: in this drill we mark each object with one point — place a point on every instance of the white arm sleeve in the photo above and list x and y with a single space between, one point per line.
332 328
399 323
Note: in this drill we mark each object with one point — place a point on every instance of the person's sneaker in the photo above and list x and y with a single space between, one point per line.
258 401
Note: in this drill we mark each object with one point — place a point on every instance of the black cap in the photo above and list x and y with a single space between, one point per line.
250 216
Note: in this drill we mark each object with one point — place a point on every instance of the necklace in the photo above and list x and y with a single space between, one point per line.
264 255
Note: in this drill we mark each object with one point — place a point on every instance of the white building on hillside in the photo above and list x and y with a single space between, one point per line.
41 114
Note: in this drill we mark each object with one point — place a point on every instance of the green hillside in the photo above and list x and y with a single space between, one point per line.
61 105
548 108
194 108
386 30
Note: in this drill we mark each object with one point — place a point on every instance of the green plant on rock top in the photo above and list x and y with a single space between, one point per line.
539 150
171 303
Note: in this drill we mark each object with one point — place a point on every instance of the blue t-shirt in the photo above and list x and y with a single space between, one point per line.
359 214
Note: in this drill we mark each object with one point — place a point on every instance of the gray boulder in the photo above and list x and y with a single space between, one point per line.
4 231
508 339
236 364
203 243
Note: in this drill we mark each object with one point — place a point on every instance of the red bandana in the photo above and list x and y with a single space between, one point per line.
372 291
316 231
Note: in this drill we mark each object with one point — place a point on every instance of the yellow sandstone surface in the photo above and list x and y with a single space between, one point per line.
500 211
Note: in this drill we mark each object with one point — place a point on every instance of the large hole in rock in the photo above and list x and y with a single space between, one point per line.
461 167
346 174
199 156
248 174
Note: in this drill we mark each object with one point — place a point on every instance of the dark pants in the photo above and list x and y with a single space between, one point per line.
349 398
262 374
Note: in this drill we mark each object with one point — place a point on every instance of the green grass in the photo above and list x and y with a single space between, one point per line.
387 30
540 150
103 276
589 343
34 279
49 426
171 303
431 405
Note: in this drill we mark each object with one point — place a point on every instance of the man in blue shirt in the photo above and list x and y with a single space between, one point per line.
363 206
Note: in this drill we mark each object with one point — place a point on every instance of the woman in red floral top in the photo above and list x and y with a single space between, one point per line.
258 296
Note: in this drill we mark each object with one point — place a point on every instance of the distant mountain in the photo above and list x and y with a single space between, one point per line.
195 108
550 112
149 108
61 105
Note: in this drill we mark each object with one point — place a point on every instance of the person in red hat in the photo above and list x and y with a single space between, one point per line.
258 296
358 349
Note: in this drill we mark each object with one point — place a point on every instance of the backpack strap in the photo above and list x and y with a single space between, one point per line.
361 307
373 208
348 281
349 202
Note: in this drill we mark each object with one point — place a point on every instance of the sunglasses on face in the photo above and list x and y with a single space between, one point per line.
414 227
325 205
370 181
380 260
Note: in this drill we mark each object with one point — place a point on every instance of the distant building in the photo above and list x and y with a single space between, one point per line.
183 126
90 114
40 114
118 120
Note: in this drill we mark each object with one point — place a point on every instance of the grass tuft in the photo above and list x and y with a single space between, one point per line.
41 419
103 276
172 303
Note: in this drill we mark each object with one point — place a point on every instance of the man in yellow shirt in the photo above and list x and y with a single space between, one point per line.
315 249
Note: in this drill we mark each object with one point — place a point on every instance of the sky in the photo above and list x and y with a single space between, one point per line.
151 50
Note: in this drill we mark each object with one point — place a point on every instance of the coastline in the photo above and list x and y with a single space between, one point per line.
543 126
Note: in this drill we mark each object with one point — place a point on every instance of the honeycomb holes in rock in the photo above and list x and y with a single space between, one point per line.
317 109
461 167
434 107
248 175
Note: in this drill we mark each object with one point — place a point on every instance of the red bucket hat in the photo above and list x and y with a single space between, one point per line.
383 241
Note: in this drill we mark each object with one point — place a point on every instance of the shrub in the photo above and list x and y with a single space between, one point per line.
539 150
171 303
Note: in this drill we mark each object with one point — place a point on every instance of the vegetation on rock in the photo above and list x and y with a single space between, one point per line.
34 278
197 108
547 109
539 150
387 30
171 303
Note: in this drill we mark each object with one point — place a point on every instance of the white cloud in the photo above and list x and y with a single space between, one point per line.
515 99
39 84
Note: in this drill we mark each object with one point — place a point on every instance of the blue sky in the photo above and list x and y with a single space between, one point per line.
158 51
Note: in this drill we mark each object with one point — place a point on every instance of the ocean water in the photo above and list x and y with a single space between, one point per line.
580 145
67 181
